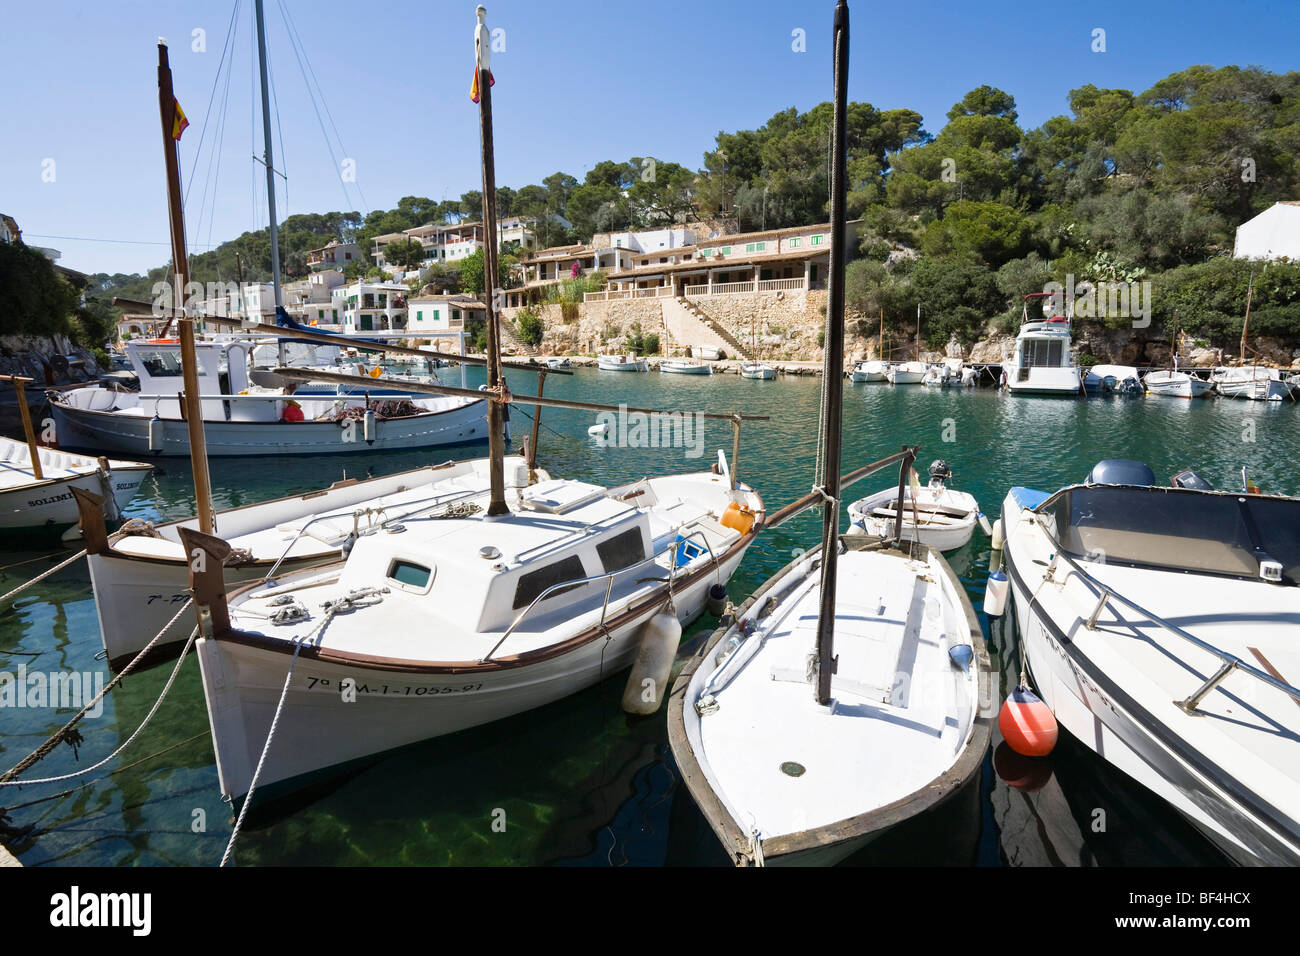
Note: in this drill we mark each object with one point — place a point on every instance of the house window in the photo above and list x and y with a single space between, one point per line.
419 316
817 240
455 315
726 250
346 255
794 243
335 313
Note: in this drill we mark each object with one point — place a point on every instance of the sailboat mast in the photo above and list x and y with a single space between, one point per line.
267 159
181 267
1245 326
496 412
832 380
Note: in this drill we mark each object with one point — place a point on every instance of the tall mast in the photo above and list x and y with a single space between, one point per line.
1245 326
832 379
267 159
496 417
180 267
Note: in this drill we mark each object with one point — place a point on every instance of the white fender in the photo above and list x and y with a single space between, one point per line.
647 684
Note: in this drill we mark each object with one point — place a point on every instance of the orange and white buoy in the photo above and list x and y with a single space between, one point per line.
1027 724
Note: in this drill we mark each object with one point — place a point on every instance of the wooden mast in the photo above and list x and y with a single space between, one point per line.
832 380
20 384
1245 326
496 409
189 362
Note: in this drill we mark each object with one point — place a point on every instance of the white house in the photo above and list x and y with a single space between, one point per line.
440 313
368 306
333 255
1273 234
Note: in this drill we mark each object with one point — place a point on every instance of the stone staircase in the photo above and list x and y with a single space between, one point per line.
510 338
687 324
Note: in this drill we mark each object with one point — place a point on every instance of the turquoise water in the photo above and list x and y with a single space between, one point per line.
579 782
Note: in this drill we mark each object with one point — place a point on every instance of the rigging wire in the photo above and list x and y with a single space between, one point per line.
216 82
213 172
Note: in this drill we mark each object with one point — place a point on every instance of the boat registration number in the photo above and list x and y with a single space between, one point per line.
347 685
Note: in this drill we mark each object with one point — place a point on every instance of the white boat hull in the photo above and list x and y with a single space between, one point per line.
672 368
1040 380
1177 385
129 434
944 520
1136 727
27 504
393 707
763 373
904 376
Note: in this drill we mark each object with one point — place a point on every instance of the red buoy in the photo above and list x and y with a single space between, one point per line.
1027 724
293 412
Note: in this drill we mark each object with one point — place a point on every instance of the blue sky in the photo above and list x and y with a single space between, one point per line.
577 83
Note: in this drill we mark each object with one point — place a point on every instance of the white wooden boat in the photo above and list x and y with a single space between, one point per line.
907 373
785 780
28 503
844 696
936 515
1251 382
141 576
870 371
240 420
683 367
1042 364
757 370
1176 384
456 619
621 363
1159 625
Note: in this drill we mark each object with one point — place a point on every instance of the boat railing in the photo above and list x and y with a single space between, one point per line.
356 514
608 577
1228 662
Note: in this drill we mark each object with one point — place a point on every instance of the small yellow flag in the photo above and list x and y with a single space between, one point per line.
180 122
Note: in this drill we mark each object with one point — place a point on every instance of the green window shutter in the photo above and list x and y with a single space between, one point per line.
419 316
760 246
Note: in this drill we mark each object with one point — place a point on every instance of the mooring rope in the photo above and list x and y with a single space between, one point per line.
348 602
43 575
7 780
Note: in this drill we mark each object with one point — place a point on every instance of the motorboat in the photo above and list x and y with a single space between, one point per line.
558 361
30 502
873 370
907 373
241 419
936 515
942 375
1112 380
1158 624
443 618
684 367
1251 382
621 363
1175 384
757 370
1042 364
844 696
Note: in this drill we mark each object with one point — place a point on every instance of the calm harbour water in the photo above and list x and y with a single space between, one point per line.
580 782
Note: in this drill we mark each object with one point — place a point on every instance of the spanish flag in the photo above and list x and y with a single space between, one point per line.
473 90
179 122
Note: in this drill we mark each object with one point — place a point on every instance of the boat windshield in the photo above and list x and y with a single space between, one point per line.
1179 529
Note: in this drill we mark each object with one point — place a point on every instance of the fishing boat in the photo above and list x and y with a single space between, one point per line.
1158 624
39 498
1171 383
558 362
801 728
507 593
1251 382
907 373
241 420
870 371
684 367
1041 364
936 516
1112 379
140 575
621 363
757 370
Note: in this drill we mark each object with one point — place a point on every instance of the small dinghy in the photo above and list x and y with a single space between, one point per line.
29 502
683 367
621 363
1176 384
757 370
936 515
843 697
870 371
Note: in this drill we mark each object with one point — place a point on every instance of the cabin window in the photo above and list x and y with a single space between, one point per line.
535 582
621 551
161 364
1042 353
409 574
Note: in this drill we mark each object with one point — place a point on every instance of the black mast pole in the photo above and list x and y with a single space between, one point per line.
833 360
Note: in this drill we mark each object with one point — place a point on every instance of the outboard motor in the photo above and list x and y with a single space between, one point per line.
1121 471
1190 480
939 472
